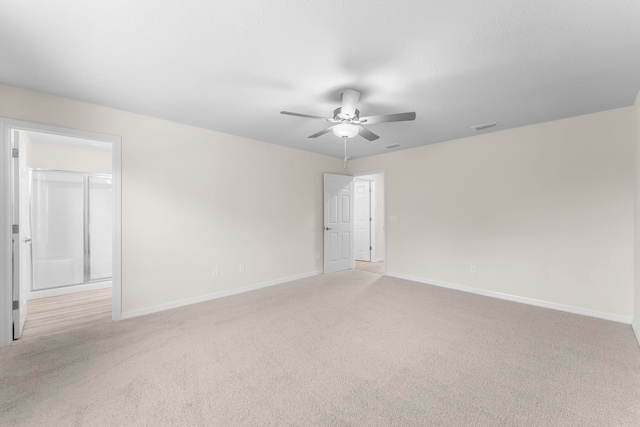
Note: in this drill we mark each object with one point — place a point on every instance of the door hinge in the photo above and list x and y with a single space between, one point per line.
370 219
16 305
15 228
14 152
370 248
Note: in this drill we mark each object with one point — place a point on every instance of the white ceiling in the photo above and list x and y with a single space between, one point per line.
233 65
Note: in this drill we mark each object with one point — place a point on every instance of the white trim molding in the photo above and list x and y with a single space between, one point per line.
46 293
514 298
636 333
215 295
116 265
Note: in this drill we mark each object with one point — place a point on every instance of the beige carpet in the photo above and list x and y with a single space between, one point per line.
351 348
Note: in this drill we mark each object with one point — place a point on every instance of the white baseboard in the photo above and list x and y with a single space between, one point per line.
636 333
68 290
514 298
214 295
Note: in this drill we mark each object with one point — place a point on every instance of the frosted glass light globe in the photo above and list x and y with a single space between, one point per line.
345 130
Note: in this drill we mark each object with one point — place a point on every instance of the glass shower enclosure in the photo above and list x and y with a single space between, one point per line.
71 228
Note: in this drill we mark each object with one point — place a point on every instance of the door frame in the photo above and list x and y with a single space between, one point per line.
6 294
383 172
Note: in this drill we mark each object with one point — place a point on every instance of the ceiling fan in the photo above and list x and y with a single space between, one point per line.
348 122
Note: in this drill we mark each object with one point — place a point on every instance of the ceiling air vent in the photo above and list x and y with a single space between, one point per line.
392 146
485 126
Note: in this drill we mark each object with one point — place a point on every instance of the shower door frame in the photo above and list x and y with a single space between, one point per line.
6 204
85 227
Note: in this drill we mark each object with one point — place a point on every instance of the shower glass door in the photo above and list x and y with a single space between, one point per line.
100 232
71 228
57 232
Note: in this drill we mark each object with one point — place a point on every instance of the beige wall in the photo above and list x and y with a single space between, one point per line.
636 294
194 199
61 157
378 179
545 212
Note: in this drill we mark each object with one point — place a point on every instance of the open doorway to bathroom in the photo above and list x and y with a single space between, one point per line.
65 200
369 221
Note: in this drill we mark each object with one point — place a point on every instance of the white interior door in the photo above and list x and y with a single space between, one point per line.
338 223
21 239
363 220
25 230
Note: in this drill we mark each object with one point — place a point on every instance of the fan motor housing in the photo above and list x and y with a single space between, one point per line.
337 115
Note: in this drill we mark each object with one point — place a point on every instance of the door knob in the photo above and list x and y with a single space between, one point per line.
27 239
327 228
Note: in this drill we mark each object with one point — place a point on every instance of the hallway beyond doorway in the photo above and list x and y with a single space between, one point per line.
371 267
67 313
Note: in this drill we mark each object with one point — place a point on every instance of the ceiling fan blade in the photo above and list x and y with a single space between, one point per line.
399 117
288 113
322 132
350 100
367 134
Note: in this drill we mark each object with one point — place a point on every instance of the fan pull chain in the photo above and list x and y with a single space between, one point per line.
345 152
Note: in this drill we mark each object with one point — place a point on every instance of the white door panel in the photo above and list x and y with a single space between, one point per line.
338 223
333 247
333 209
363 220
346 246
346 209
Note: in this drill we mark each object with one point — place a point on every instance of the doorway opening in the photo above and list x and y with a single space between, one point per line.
369 223
64 196
355 222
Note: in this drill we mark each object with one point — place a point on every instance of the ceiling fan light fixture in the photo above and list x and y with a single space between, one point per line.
345 130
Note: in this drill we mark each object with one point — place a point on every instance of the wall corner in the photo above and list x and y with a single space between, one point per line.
635 323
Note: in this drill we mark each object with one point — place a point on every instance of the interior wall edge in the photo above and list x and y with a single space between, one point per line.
203 200
355 167
636 248
547 209
98 118
514 298
215 295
